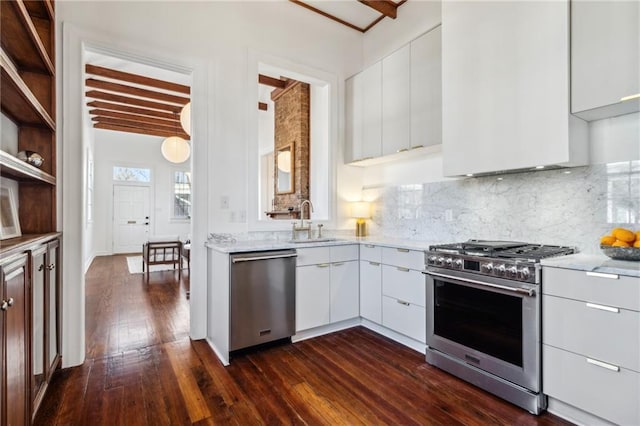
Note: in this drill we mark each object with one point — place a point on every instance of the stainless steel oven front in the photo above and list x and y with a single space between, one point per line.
486 330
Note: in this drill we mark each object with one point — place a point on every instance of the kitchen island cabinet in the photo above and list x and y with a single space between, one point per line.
506 88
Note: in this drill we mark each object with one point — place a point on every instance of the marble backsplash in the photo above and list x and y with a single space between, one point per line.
561 207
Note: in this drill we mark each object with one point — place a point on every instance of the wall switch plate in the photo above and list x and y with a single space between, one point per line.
448 215
224 202
242 216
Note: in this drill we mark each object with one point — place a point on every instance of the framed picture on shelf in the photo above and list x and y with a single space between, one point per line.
8 215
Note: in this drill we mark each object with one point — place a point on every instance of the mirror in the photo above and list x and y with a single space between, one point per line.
284 169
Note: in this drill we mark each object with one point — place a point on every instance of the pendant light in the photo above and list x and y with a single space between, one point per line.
175 149
185 118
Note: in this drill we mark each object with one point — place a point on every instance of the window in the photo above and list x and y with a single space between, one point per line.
182 195
131 174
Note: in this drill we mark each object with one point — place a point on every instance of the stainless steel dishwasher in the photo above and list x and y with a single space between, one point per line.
263 297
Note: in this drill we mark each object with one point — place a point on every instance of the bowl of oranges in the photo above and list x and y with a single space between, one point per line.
622 244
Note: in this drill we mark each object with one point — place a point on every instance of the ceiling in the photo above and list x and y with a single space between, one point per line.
135 102
360 15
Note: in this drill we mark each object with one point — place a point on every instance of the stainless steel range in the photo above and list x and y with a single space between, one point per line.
483 315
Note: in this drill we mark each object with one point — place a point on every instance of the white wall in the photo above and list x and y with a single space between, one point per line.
213 39
131 150
88 135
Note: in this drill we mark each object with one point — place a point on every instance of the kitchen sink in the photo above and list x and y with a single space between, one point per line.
313 240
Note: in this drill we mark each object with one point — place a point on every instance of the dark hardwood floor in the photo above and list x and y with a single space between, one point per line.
142 369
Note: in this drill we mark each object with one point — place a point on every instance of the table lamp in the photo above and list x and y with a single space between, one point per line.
361 211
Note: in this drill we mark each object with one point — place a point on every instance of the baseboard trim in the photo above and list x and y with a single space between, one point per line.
400 338
325 329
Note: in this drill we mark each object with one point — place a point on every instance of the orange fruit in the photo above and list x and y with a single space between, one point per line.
607 240
625 235
637 235
619 243
637 243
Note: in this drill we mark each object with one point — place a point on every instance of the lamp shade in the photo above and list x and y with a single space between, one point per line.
360 210
175 149
284 161
185 118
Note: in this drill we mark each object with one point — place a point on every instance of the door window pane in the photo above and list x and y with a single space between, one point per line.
182 195
131 174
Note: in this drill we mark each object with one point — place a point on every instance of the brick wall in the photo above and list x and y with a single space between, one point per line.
292 118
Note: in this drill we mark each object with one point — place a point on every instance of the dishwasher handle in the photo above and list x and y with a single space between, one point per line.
250 259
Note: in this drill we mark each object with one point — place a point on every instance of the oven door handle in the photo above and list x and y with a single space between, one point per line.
526 291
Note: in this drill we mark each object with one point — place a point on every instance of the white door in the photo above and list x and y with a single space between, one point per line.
130 218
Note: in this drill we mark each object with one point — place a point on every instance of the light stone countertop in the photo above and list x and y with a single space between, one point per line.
243 246
595 263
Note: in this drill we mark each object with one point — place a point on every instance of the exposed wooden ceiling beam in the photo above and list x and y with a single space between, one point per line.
135 118
137 79
327 15
262 106
96 94
270 81
386 7
135 91
140 131
136 125
130 109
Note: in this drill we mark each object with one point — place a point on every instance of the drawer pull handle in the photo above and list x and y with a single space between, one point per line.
603 364
401 250
402 302
402 269
323 265
601 275
369 246
374 264
603 308
338 264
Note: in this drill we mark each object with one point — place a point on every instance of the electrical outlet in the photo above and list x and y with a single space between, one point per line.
448 215
242 216
232 217
224 202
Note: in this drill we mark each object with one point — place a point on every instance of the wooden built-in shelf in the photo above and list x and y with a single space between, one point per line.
17 169
18 102
20 244
21 38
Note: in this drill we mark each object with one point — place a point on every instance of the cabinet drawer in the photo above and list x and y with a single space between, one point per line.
404 258
592 330
344 253
605 289
314 255
371 291
571 378
407 319
371 253
404 284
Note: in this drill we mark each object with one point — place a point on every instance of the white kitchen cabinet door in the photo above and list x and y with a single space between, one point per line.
313 296
344 291
353 117
426 89
371 291
396 104
605 58
505 88
371 104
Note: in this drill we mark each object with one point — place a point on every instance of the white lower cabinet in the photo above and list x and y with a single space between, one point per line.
327 291
404 317
591 343
371 290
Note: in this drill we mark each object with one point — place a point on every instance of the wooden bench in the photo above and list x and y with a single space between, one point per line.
162 253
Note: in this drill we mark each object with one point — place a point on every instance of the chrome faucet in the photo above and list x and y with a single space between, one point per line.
302 226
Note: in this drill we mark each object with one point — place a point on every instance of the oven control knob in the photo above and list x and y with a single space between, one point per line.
458 263
449 261
512 272
500 269
487 267
432 259
441 261
524 273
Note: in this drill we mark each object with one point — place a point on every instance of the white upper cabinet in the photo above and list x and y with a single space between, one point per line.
426 89
396 105
505 88
605 58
